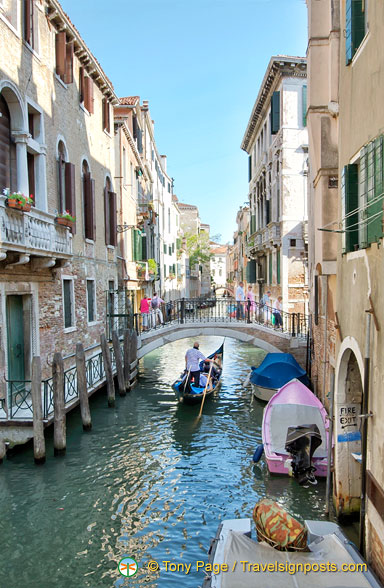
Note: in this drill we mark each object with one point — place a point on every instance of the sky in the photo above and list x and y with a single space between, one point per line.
199 63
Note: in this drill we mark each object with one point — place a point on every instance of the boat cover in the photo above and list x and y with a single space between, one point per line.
283 416
240 548
276 370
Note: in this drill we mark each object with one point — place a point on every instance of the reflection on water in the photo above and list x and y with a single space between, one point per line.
151 481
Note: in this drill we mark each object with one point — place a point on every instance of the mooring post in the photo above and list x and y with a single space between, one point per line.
82 388
108 370
59 419
132 357
119 363
127 360
37 408
2 449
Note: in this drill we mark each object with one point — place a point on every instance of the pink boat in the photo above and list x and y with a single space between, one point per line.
294 405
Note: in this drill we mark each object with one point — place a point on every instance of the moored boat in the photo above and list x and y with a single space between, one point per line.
295 433
239 561
188 393
274 371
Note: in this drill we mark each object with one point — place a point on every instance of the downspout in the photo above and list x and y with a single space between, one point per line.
325 339
364 433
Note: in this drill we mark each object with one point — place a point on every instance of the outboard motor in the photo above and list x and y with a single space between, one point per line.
301 442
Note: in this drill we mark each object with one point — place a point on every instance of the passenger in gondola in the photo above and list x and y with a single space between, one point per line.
193 357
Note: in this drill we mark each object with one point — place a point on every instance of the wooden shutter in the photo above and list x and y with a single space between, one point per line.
375 210
349 199
304 104
28 21
354 27
70 193
144 247
88 99
249 168
275 113
134 127
112 218
60 54
68 75
107 217
5 144
250 272
89 207
82 85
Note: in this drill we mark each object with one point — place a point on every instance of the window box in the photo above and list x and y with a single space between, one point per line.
64 222
13 203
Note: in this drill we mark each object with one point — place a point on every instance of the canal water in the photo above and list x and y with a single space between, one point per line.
151 481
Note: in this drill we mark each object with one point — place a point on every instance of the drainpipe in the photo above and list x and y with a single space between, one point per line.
364 433
325 339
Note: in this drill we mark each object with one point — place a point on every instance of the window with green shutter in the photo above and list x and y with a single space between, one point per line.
270 268
278 254
253 224
165 249
165 271
304 104
354 27
349 204
249 168
144 256
173 247
178 243
275 113
136 245
68 303
250 271
375 198
170 250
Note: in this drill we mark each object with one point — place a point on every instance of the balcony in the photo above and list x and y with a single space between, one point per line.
142 271
264 239
32 233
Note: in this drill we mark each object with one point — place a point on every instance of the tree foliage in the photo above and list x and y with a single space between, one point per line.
198 248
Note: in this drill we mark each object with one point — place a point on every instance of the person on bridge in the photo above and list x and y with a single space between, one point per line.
240 299
155 304
144 309
192 363
277 312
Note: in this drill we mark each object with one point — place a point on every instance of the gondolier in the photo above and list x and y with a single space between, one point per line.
193 357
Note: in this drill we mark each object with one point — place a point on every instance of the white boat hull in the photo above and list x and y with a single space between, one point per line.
264 394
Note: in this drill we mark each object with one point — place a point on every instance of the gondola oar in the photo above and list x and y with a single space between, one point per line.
205 390
186 380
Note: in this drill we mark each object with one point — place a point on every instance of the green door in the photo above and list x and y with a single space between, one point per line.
15 335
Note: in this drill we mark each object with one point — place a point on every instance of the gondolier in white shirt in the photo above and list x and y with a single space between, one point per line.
193 358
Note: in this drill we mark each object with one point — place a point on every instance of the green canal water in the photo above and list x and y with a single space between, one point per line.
150 481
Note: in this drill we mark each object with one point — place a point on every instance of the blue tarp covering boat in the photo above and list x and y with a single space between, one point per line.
274 372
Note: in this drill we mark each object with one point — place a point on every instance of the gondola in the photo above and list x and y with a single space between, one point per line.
185 390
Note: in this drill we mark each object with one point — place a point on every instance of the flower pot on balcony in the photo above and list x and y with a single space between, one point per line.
64 221
13 203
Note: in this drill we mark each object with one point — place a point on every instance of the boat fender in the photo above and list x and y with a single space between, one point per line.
258 453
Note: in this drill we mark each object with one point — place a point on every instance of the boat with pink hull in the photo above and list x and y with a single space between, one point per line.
295 419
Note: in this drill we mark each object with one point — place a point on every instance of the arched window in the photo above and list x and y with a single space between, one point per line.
110 214
7 149
66 183
88 202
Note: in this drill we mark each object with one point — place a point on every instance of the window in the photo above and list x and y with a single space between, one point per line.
91 301
106 117
68 303
165 248
220 272
64 58
355 27
304 104
110 215
86 91
170 250
250 168
169 220
88 203
66 184
362 195
7 149
292 242
270 268
275 113
28 17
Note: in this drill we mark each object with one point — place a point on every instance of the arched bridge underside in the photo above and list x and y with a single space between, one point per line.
254 334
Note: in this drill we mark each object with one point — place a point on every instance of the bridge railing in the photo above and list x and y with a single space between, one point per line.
221 310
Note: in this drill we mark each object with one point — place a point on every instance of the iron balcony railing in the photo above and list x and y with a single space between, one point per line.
19 398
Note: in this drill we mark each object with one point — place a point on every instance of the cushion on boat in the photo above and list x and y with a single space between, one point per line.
278 528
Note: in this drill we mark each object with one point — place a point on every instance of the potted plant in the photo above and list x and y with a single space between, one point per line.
18 200
65 219
152 268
